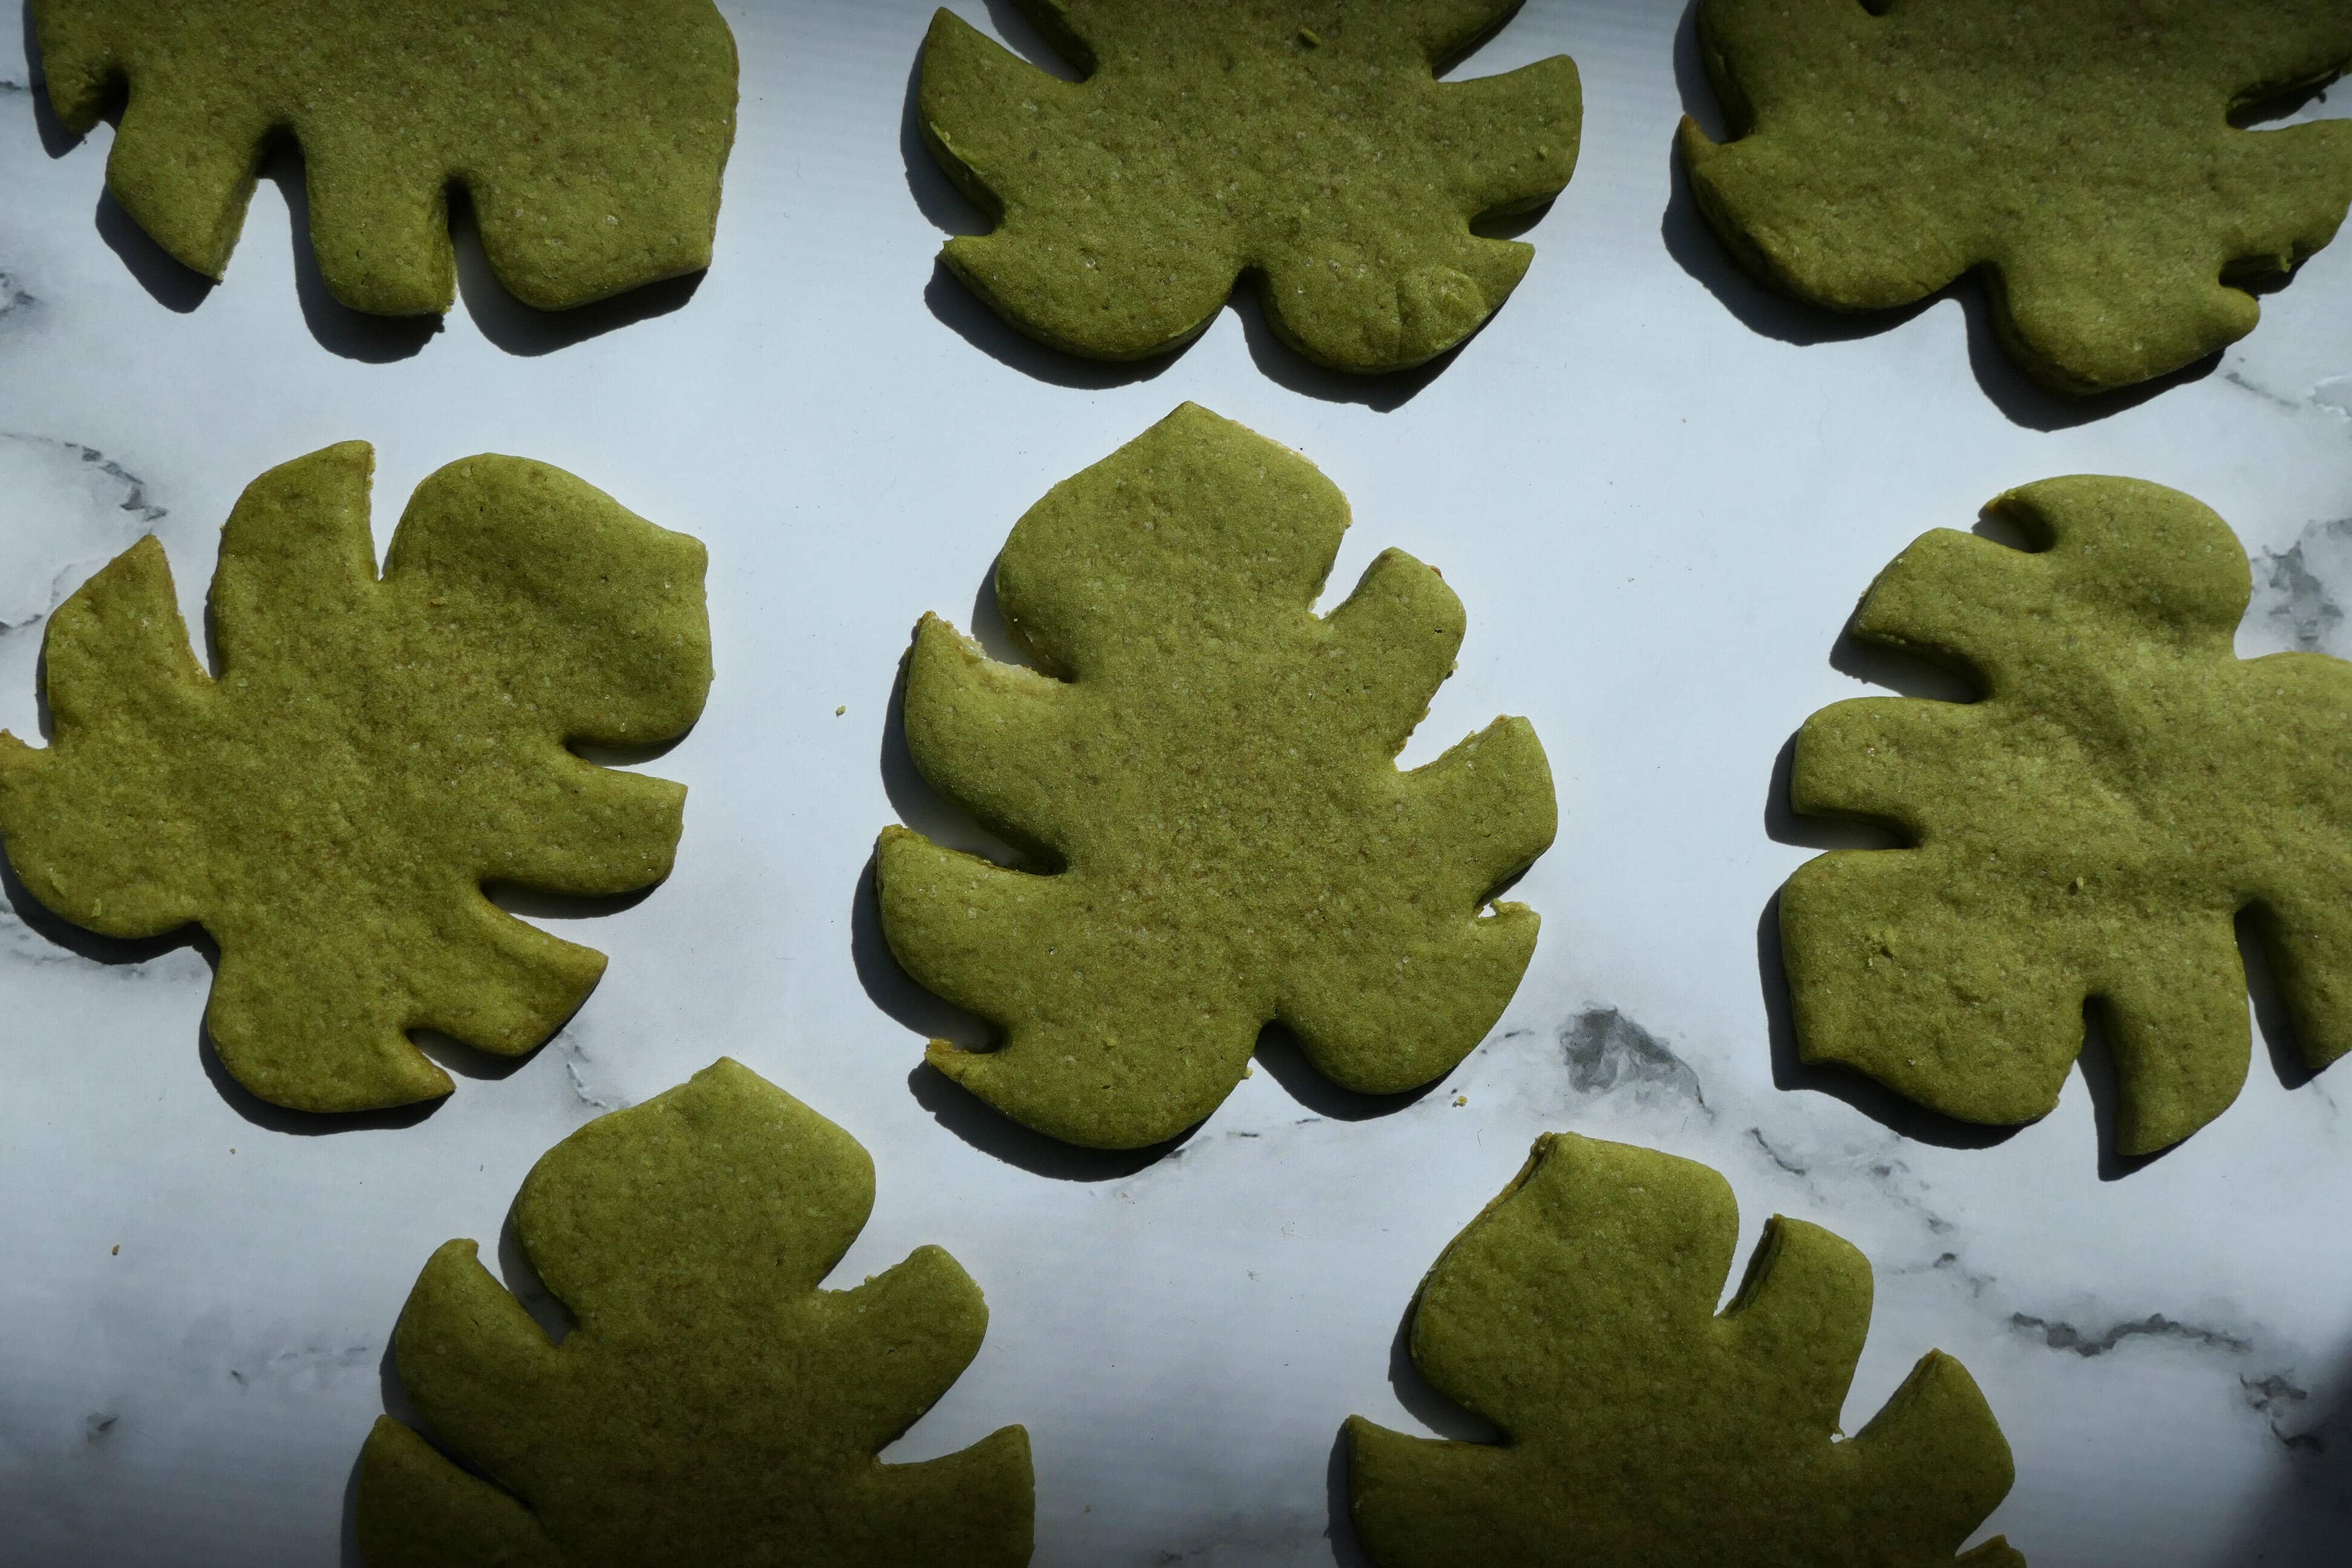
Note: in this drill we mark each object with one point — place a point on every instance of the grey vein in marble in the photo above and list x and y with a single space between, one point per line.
575 1057
2331 395
2059 1335
81 508
320 1362
2275 399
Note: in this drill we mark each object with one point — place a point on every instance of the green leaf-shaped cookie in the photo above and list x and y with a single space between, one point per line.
589 134
2078 152
1209 774
713 1407
372 754
1305 143
1639 1429
2088 831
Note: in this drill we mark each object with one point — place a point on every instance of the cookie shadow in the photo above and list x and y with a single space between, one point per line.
922 809
258 1113
930 1017
1915 677
965 313
1420 1396
337 327
1382 393
539 904
1279 1053
56 139
1792 1074
525 330
968 316
452 1056
891 989
117 952
1907 675
521 1278
2096 1065
170 283
1696 249
1693 244
1347 1546
1782 825
126 954
178 289
937 196
993 1133
894 992
347 1536
505 322
2273 1022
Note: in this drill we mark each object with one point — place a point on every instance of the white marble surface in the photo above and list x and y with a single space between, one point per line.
1658 491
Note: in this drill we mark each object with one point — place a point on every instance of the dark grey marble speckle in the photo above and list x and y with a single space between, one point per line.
2297 590
1607 1052
2274 1398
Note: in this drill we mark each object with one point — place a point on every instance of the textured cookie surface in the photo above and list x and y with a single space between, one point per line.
712 1406
2087 831
2079 152
1306 143
1206 780
589 134
1641 1430
373 752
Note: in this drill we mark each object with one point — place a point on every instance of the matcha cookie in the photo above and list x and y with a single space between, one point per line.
712 1405
589 135
1641 1430
372 754
2088 831
1204 779
2078 153
1305 143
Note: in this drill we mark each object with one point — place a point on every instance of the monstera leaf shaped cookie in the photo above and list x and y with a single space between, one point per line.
1305 143
1641 1430
589 135
2080 153
371 754
712 1407
1204 776
2087 831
